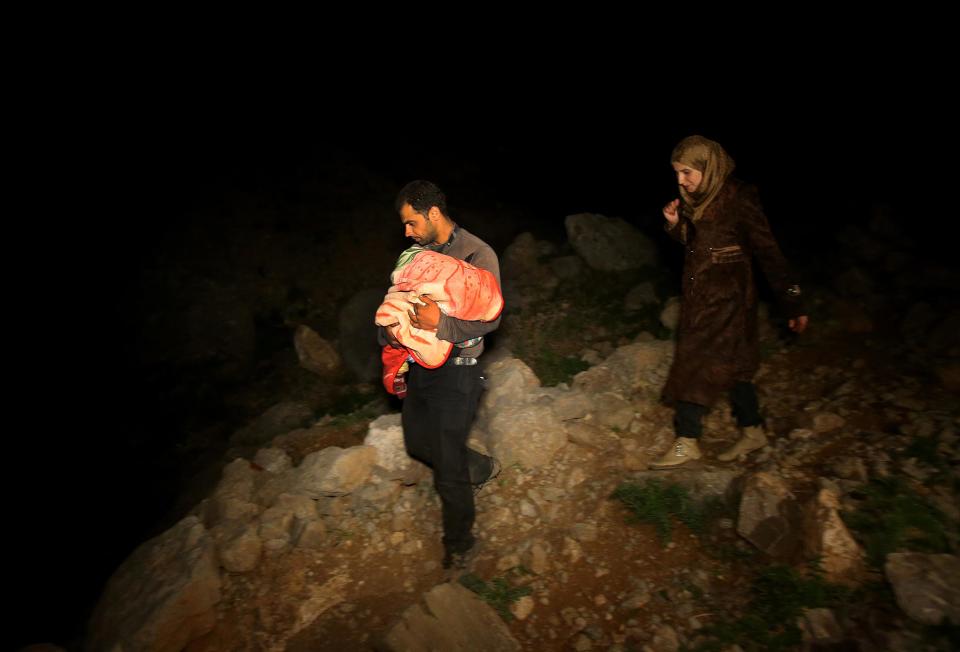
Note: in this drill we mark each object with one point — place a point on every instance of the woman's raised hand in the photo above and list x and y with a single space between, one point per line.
670 211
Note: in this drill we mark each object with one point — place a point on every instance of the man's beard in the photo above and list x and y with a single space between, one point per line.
429 238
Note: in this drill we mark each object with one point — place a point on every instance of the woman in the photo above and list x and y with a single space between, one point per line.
720 222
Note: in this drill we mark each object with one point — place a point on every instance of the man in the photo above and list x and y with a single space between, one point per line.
441 403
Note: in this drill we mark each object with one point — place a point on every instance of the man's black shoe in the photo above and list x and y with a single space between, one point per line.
455 560
494 472
459 559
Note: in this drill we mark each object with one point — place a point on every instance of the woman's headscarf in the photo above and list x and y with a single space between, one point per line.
712 161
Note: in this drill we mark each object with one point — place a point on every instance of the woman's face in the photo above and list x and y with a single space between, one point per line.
687 176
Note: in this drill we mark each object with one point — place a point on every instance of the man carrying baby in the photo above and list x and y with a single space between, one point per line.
441 403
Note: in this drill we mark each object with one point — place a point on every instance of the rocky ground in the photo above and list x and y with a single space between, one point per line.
596 580
303 546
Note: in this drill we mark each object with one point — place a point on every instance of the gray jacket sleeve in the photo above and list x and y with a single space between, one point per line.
455 330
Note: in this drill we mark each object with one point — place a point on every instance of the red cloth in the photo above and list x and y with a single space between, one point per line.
471 293
462 290
392 360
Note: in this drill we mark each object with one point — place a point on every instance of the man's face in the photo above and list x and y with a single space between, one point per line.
417 227
687 176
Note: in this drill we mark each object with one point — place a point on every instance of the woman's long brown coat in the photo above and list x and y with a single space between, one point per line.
717 337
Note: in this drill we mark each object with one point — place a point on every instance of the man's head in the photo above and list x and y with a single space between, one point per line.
423 212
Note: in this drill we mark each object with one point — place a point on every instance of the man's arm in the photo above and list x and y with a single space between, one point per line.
455 330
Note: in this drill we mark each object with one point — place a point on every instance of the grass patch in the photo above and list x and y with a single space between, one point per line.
779 596
730 553
893 517
550 343
350 399
339 535
924 449
552 368
657 503
367 412
499 592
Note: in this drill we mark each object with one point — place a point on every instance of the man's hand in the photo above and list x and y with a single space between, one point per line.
799 324
670 211
426 316
391 338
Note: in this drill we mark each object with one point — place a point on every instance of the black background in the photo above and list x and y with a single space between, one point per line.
125 161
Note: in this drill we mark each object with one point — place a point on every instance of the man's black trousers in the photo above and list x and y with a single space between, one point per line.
437 414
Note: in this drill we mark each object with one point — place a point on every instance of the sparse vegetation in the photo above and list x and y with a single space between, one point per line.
727 552
893 517
499 593
339 535
657 503
779 596
553 369
550 335
367 411
924 449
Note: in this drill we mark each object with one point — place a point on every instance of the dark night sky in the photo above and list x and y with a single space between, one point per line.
820 159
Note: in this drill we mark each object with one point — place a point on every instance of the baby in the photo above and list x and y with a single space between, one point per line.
460 290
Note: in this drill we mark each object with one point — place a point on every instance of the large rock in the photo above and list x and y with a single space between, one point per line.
591 435
315 353
385 434
521 257
769 516
454 620
276 529
926 586
322 598
827 422
509 381
515 421
335 471
358 334
640 296
273 460
239 547
234 498
569 405
609 243
826 538
525 278
819 626
163 596
670 315
640 367
612 410
527 434
567 267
